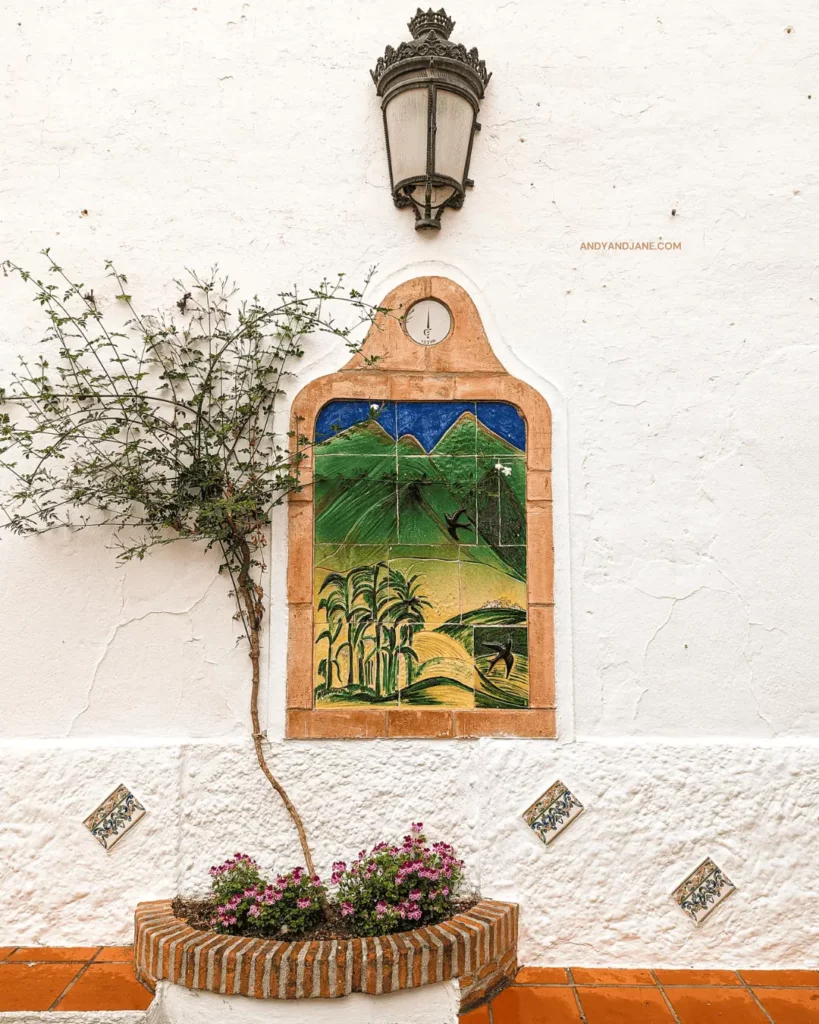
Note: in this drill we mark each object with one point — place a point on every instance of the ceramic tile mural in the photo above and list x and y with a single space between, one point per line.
420 555
114 817
552 812
703 891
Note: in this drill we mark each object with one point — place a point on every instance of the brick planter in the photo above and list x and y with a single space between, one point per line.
479 948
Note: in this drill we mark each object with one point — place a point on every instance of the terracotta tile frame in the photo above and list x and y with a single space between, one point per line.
463 366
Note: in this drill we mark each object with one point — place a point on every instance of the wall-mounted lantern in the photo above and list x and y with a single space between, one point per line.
431 90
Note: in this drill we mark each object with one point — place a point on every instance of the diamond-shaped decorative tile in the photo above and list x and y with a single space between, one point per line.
114 817
551 813
703 891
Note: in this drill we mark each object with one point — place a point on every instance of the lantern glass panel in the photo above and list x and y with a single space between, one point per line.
407 121
454 119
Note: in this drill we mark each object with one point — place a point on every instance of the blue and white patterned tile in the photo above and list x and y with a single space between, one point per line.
118 813
703 891
553 812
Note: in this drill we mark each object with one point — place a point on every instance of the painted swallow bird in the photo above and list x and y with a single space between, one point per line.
504 654
453 525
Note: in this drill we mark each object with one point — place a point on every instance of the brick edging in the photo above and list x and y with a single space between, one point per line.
478 947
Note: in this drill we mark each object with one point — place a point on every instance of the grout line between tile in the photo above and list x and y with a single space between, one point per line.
576 995
10 953
75 979
790 988
614 984
666 1000
755 998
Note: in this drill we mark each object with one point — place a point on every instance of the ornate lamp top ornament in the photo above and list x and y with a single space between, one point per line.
430 42
428 21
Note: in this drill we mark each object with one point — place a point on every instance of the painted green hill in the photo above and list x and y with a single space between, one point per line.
462 629
355 499
408 444
367 438
460 438
468 436
488 443
364 495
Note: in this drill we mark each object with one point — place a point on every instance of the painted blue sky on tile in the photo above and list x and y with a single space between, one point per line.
426 421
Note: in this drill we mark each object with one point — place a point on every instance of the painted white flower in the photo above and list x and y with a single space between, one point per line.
374 406
506 470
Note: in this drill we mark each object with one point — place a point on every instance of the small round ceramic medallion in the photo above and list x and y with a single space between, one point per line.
428 322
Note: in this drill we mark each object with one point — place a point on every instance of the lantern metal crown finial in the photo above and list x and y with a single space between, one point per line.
431 90
428 21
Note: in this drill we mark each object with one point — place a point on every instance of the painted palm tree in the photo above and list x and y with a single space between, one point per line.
358 639
326 665
382 610
408 615
371 587
339 600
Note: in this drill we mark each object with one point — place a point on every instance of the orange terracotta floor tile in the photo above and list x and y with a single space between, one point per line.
715 1006
542 976
5 950
34 986
619 1004
612 976
52 954
529 1005
106 987
688 978
790 1006
479 1016
115 955
782 979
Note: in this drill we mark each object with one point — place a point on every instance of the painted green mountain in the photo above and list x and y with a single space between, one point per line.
367 438
469 490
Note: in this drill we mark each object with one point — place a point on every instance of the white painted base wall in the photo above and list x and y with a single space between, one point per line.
432 1004
599 895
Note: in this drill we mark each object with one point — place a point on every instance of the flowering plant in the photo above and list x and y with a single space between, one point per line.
248 905
395 888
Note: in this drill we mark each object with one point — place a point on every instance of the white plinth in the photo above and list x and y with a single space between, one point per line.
430 1004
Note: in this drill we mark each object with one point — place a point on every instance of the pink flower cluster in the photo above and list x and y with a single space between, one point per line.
237 861
391 888
409 882
245 899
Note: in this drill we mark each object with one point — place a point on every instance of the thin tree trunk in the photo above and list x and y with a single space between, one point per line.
251 597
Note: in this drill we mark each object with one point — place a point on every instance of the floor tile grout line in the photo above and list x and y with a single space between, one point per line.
646 984
755 998
666 1000
11 952
790 988
75 979
576 995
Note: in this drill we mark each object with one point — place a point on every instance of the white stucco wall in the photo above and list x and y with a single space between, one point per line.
685 390
432 1004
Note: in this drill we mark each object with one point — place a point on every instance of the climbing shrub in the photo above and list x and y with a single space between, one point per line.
164 428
